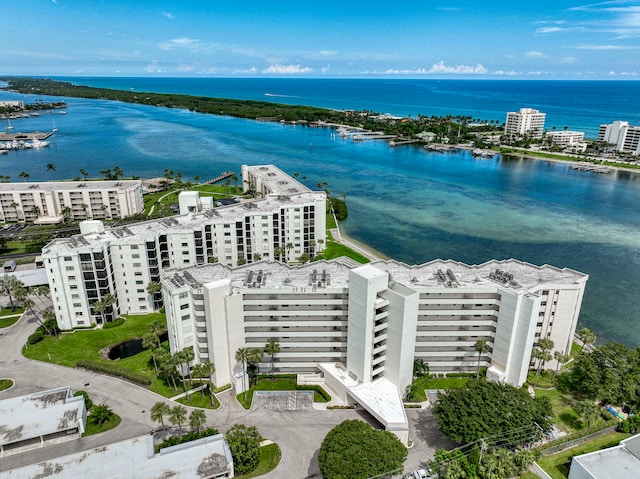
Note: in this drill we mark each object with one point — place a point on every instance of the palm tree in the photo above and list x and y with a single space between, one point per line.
560 359
254 358
9 284
158 411
100 307
166 362
542 352
101 414
51 168
177 416
234 178
197 419
289 247
24 175
150 341
272 348
481 347
587 336
226 186
66 212
588 410
153 288
157 328
84 173
241 357
197 179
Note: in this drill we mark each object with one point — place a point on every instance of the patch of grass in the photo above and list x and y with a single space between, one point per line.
6 322
575 349
5 384
86 345
546 379
331 221
197 400
427 382
562 405
557 465
335 250
8 312
93 428
528 475
269 459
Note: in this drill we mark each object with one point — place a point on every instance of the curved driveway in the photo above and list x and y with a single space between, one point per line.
298 433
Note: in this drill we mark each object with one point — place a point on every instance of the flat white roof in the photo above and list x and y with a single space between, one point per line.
512 274
69 185
276 180
380 397
39 414
134 458
613 463
134 233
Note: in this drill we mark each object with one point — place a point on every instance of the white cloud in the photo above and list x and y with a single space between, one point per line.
543 30
440 67
418 71
185 68
534 54
184 42
154 67
568 60
606 47
509 73
251 71
325 69
287 69
168 15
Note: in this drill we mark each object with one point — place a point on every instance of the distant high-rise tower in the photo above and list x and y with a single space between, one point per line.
527 121
624 136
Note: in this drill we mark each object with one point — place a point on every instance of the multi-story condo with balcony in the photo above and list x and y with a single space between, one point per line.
527 121
568 140
625 137
364 326
55 201
120 262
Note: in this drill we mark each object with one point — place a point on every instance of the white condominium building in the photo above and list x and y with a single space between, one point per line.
122 261
53 201
376 318
569 140
364 326
527 121
625 137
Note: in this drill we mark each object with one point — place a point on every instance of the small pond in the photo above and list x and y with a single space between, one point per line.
130 348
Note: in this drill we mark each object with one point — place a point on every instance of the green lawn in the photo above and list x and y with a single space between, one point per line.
5 384
427 382
197 400
557 466
564 414
269 459
335 250
95 429
86 344
8 312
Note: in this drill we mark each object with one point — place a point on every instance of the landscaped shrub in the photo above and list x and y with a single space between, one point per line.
222 388
115 370
87 402
188 437
113 324
314 387
36 337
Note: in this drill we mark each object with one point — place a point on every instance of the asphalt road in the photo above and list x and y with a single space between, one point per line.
298 433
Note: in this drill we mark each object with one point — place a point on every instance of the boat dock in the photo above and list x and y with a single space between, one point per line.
17 136
592 168
222 176
393 143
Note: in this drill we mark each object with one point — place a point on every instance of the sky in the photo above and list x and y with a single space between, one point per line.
309 38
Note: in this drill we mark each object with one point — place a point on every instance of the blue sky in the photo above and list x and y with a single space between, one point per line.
447 39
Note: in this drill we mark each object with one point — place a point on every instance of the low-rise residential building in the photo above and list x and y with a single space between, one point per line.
119 263
206 458
527 121
568 140
625 137
33 421
55 201
618 462
367 324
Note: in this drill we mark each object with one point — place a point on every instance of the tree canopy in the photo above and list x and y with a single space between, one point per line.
610 374
482 409
244 443
353 450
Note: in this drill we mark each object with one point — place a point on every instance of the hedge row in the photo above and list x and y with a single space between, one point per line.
114 370
113 324
314 387
187 437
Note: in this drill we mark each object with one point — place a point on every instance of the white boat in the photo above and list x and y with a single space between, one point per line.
9 126
36 143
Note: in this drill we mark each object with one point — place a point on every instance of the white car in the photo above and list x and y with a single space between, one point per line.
421 474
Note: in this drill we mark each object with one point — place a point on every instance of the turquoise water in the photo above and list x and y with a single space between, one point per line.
409 204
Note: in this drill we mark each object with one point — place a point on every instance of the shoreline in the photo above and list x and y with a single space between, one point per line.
359 247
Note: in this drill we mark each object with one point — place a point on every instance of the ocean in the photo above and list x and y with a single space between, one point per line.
410 204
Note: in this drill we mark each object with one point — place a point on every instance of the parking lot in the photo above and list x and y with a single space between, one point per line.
283 400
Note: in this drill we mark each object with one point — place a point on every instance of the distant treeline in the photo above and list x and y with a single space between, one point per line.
442 127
